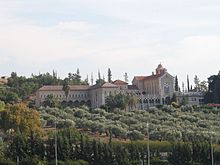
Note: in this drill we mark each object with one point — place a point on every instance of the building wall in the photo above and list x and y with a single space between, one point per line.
166 85
151 87
98 95
138 83
60 96
123 86
191 98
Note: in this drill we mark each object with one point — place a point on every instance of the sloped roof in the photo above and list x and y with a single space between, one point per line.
60 87
79 87
152 77
108 85
140 77
104 85
119 82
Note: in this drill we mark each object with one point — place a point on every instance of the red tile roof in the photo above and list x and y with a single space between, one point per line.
119 82
103 85
152 77
60 87
108 85
140 77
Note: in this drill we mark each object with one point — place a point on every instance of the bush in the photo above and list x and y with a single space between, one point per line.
65 123
118 131
7 162
58 163
79 113
135 135
186 108
80 162
175 105
70 162
157 161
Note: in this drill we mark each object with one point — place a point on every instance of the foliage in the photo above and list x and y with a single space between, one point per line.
121 101
7 162
197 152
66 88
8 96
2 106
2 150
20 87
176 84
51 101
18 117
168 123
76 149
213 94
75 79
136 135
109 75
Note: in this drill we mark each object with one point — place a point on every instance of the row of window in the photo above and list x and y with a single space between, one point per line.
110 92
70 96
193 99
150 101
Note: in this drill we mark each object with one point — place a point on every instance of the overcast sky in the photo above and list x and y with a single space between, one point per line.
131 36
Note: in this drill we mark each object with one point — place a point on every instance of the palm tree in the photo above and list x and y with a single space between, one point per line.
66 88
51 101
132 101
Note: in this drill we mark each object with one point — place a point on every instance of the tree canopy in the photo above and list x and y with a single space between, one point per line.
20 118
213 94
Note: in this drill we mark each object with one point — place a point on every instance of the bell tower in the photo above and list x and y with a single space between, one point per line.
160 69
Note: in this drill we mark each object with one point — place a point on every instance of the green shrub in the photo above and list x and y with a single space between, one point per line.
7 162
135 135
175 105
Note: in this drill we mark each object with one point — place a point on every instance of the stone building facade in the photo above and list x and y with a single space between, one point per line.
93 96
152 90
155 89
190 98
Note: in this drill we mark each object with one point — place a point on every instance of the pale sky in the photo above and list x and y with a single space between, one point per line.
131 36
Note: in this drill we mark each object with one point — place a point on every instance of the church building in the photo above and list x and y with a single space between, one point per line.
155 89
152 90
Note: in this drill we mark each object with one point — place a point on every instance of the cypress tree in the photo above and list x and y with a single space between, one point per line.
95 152
82 148
100 157
188 83
78 77
176 84
109 75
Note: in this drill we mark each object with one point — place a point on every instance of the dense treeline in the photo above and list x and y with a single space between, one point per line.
75 148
